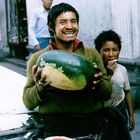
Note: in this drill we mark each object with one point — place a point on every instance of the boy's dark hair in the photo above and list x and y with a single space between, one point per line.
58 9
104 36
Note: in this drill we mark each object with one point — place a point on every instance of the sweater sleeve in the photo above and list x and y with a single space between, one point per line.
31 97
104 90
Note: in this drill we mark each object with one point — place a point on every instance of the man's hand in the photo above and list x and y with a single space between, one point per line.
98 77
39 80
37 48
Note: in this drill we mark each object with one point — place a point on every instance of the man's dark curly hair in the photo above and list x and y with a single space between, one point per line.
58 9
104 36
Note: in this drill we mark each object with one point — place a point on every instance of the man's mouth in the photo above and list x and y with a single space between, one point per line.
69 32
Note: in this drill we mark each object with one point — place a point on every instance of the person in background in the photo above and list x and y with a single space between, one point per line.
67 113
39 34
108 44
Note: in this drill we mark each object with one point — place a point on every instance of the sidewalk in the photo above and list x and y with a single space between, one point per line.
136 132
17 62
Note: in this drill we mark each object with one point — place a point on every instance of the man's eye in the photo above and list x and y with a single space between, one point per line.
74 21
62 22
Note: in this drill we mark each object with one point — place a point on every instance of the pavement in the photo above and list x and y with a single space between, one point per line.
15 121
13 83
15 61
135 133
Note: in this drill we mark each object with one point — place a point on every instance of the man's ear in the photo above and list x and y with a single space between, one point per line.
51 30
50 27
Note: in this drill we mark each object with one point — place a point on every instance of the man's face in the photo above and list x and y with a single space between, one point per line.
109 51
66 27
47 3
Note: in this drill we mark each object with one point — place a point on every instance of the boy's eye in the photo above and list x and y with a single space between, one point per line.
105 50
115 50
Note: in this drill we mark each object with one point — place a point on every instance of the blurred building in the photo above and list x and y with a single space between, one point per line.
13 28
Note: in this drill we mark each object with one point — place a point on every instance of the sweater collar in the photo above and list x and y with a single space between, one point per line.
77 44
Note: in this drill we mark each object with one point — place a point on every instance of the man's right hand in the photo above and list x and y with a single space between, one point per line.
39 80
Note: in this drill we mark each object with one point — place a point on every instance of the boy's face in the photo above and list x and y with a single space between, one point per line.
109 51
66 27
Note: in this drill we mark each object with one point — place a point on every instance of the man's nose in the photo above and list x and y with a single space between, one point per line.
69 25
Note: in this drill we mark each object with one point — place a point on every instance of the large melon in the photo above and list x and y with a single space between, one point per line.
66 70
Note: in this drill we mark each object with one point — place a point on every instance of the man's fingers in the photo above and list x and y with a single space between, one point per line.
96 68
34 69
36 73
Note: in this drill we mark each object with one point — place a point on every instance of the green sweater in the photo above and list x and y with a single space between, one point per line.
58 101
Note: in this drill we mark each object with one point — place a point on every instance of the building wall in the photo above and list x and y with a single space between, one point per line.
3 32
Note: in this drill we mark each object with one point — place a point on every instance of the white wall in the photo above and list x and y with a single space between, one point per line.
97 15
125 22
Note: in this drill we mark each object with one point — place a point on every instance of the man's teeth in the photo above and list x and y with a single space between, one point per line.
68 32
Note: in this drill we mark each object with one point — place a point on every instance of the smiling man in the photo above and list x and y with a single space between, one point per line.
67 113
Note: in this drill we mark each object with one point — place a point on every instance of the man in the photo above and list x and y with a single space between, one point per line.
63 113
39 34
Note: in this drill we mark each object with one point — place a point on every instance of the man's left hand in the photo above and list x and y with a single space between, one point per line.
98 77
